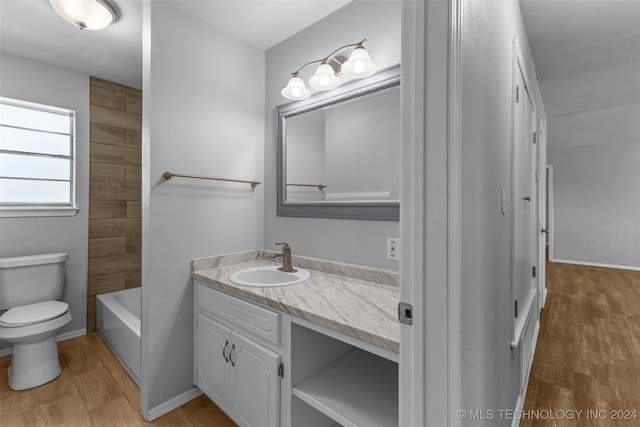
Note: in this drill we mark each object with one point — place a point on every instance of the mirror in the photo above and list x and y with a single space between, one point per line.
339 151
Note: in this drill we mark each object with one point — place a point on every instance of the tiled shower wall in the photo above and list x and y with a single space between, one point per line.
115 220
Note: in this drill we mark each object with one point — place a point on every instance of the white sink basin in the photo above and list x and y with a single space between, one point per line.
268 276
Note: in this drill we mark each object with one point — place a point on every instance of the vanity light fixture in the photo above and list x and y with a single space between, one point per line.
85 14
359 65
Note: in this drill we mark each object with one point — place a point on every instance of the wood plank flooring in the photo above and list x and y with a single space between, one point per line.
588 352
587 358
93 390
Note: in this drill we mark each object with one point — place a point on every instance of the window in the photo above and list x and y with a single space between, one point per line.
37 168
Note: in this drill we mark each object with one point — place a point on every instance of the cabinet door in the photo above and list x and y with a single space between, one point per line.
213 379
257 384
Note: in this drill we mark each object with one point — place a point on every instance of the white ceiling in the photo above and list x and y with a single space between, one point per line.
30 28
261 23
586 52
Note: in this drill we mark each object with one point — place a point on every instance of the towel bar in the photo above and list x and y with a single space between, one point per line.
169 175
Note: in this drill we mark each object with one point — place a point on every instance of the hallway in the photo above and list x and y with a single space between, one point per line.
588 352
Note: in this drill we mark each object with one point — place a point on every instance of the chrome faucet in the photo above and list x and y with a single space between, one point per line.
286 258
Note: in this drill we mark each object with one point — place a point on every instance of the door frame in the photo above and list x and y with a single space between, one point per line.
550 213
541 178
430 225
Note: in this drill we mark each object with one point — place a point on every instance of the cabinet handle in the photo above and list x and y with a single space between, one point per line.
233 346
226 344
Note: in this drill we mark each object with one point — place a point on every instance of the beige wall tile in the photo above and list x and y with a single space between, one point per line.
107 172
133 279
134 139
116 118
107 209
105 246
133 174
112 154
134 244
134 209
134 103
106 283
95 81
108 98
114 191
114 264
101 134
114 227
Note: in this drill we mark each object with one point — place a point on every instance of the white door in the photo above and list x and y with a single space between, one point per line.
257 384
213 339
525 230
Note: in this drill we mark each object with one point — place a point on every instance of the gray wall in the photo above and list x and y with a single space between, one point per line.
360 242
203 114
33 81
596 170
490 369
363 143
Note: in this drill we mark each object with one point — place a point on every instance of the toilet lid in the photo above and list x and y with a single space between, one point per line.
34 313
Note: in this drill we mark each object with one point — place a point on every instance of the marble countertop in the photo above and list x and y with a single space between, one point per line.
363 309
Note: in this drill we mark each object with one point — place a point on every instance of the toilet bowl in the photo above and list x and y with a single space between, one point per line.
29 289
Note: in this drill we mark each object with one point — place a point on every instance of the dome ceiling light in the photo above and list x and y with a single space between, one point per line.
85 14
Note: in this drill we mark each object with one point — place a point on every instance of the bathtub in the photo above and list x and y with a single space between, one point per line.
118 323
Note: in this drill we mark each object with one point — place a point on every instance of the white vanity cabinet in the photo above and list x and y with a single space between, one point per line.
238 374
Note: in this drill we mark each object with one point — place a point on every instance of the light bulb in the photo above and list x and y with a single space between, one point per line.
324 78
359 64
295 89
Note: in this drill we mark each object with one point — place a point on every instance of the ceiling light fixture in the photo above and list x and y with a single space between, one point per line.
359 65
85 14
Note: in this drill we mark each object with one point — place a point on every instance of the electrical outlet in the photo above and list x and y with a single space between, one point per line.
393 248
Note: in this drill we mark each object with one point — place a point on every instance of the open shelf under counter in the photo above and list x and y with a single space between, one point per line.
357 389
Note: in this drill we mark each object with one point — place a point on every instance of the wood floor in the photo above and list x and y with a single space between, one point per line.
93 390
587 359
588 351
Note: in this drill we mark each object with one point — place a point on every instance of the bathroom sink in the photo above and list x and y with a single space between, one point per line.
268 276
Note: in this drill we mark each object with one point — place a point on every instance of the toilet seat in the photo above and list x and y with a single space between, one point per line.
31 314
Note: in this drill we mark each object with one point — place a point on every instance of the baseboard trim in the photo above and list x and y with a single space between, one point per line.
596 264
172 404
71 334
518 411
62 337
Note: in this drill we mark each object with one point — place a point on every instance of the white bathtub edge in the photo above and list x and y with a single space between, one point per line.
130 320
61 337
122 362
172 404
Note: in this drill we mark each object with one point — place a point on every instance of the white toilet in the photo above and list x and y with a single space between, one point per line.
29 289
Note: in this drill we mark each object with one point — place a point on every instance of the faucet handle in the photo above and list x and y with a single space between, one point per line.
284 245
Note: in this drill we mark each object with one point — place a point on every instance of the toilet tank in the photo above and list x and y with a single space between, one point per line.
30 279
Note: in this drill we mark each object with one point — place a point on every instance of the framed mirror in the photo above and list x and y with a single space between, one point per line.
339 151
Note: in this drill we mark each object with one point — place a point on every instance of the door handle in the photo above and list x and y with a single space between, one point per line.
226 344
527 199
545 230
233 347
